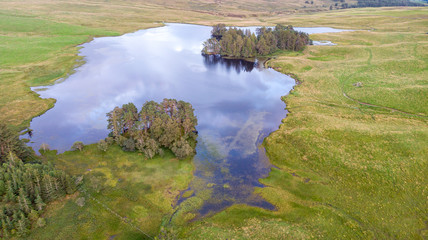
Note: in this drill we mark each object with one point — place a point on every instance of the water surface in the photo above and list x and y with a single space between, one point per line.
237 104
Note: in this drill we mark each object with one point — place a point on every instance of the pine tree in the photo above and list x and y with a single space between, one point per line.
38 188
33 215
22 225
48 188
9 223
10 194
5 229
2 187
227 46
262 47
271 42
237 48
39 203
15 217
24 203
29 184
10 143
248 48
115 121
130 116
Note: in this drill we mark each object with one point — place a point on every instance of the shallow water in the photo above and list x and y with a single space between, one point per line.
237 104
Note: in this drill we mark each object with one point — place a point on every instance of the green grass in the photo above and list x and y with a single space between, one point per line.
74 222
35 52
23 50
370 164
139 189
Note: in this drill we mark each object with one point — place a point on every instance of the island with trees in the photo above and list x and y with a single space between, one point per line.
238 43
170 124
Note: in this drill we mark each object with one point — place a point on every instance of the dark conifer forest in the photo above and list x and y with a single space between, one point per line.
26 186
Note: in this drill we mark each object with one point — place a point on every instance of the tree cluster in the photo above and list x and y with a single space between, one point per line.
170 124
25 189
234 42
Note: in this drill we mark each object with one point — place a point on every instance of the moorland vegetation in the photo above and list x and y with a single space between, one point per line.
350 168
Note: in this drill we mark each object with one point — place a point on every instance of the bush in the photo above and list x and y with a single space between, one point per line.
41 222
33 215
109 140
80 202
182 149
102 145
120 140
128 145
77 146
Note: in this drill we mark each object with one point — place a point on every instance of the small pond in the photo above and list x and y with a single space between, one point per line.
237 104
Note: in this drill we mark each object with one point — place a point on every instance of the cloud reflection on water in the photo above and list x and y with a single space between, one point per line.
235 102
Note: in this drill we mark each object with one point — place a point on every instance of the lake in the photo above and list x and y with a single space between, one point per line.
237 104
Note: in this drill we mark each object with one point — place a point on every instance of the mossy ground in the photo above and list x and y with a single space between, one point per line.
141 191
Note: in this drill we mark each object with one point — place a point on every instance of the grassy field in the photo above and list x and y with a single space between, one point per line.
345 170
123 194
35 52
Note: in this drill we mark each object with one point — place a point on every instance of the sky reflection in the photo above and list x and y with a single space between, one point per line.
236 102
